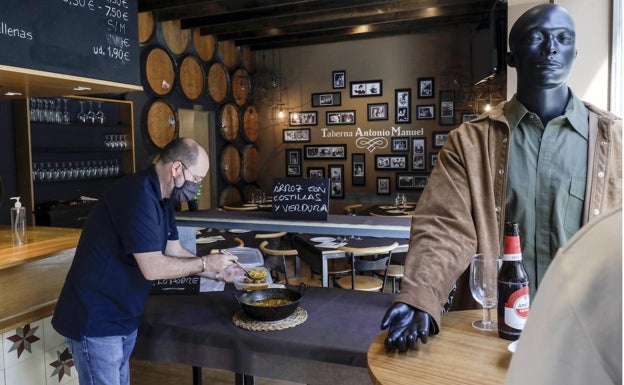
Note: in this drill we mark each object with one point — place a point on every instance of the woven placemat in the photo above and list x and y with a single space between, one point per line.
243 321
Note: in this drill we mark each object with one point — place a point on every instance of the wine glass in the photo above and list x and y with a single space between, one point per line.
99 115
91 113
483 285
81 116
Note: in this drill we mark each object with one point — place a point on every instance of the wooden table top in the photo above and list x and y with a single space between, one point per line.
40 242
459 354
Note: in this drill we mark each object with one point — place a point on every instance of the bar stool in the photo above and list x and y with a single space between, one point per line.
359 265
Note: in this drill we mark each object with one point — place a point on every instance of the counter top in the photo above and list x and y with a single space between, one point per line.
265 221
40 242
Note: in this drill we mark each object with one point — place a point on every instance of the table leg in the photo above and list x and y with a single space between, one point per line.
324 270
244 379
197 375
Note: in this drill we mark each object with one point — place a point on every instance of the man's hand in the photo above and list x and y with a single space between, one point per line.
407 325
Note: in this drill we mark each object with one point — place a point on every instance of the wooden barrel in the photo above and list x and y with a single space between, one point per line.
205 45
218 82
229 54
178 40
230 123
159 70
229 195
147 26
251 160
248 59
250 124
230 164
192 77
161 121
241 85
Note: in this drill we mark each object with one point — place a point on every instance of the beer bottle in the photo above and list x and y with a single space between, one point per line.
513 286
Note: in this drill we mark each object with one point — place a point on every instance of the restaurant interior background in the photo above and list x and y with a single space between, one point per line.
252 146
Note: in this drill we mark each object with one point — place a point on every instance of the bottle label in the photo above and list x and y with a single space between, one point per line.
517 308
512 248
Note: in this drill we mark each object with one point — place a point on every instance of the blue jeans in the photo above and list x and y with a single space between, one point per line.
103 360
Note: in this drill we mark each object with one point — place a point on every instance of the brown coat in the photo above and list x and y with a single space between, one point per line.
462 209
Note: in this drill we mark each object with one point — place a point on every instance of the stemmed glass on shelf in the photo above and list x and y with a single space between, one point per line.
483 285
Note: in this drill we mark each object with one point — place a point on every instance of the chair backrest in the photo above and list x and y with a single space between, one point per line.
350 209
279 252
359 265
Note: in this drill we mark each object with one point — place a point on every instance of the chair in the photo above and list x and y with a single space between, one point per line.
284 250
394 272
359 265
350 209
239 242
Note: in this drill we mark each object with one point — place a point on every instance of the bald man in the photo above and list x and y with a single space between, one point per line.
544 159
129 240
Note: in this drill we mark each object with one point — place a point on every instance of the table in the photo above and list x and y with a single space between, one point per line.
265 221
460 354
317 257
387 210
328 348
245 206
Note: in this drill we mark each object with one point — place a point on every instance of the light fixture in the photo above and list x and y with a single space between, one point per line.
12 93
280 112
81 88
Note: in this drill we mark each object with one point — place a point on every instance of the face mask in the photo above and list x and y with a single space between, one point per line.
186 192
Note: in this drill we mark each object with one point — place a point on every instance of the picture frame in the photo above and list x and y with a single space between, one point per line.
468 117
419 146
365 88
377 111
426 88
433 159
326 99
425 112
322 152
419 162
402 102
336 180
439 137
293 162
447 108
390 162
411 181
303 118
358 169
399 144
315 172
297 135
383 185
338 79
336 118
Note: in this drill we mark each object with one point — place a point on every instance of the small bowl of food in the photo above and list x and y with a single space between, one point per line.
260 279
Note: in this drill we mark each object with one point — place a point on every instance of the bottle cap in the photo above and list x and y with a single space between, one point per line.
17 202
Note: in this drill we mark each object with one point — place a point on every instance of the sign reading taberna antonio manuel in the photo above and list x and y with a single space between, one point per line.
301 198
96 39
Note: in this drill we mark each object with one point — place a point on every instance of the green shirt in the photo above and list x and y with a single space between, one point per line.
546 181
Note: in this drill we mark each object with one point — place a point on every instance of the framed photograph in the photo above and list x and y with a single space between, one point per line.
316 172
425 112
377 111
418 162
336 180
327 99
334 118
411 181
402 99
366 88
296 135
320 152
303 118
358 166
338 79
425 88
419 145
433 159
447 108
439 137
293 162
390 162
383 186
399 144
468 117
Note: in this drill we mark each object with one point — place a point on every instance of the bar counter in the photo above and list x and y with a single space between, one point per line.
31 275
265 221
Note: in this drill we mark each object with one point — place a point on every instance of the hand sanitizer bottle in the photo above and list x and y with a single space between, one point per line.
18 222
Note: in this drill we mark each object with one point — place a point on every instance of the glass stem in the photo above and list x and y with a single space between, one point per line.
486 316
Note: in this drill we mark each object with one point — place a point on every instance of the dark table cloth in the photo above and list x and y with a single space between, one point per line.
328 348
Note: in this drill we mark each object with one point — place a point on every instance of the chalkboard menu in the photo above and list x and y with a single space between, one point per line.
96 39
184 285
301 198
